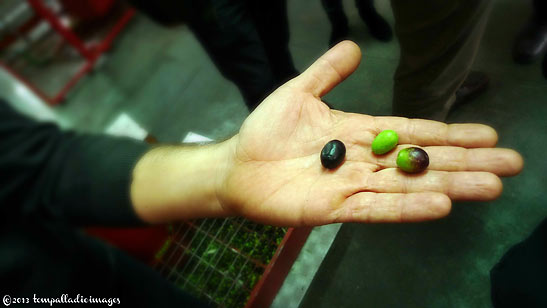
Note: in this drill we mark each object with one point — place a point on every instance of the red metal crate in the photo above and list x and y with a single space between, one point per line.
230 262
90 53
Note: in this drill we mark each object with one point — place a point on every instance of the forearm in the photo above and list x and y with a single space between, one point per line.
51 174
180 182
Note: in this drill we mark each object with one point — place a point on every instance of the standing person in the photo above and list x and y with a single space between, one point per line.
438 41
247 40
378 27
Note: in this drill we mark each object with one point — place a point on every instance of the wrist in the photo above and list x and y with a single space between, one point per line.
225 162
182 182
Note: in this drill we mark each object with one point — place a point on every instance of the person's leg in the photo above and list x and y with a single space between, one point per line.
531 42
377 25
338 20
519 279
438 41
540 10
226 30
271 22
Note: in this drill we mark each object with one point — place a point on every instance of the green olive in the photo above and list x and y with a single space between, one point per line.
412 160
385 142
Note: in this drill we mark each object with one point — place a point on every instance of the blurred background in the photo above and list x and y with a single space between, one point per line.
116 70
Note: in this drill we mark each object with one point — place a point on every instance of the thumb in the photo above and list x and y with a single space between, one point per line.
330 69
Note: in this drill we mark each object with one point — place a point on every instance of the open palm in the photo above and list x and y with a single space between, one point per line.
277 176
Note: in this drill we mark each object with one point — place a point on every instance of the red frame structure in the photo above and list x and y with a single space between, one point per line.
184 257
266 289
90 53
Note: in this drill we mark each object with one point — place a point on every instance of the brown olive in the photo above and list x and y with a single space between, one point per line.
412 160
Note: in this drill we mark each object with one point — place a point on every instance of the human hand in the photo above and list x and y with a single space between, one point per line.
275 175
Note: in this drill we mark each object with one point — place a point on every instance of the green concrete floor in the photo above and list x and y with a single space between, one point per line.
164 80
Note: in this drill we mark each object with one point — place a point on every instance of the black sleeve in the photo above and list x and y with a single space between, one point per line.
47 173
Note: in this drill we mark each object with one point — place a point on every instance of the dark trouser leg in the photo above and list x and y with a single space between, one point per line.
226 30
272 24
540 10
439 40
335 12
338 20
377 25
520 277
531 42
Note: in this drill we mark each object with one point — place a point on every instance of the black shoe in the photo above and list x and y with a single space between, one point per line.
474 85
377 26
531 42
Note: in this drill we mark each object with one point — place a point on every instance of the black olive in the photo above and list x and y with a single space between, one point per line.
333 154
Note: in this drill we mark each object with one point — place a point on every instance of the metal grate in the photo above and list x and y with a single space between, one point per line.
219 260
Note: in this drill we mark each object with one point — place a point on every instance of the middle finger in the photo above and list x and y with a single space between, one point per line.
502 162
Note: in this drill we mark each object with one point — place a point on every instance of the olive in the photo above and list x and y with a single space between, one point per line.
412 160
333 154
385 142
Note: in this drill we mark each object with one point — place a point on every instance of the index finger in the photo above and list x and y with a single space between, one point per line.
428 132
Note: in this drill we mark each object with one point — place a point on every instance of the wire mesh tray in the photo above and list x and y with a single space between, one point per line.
219 260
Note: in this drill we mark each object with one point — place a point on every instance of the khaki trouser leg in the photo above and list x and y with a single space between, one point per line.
439 41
